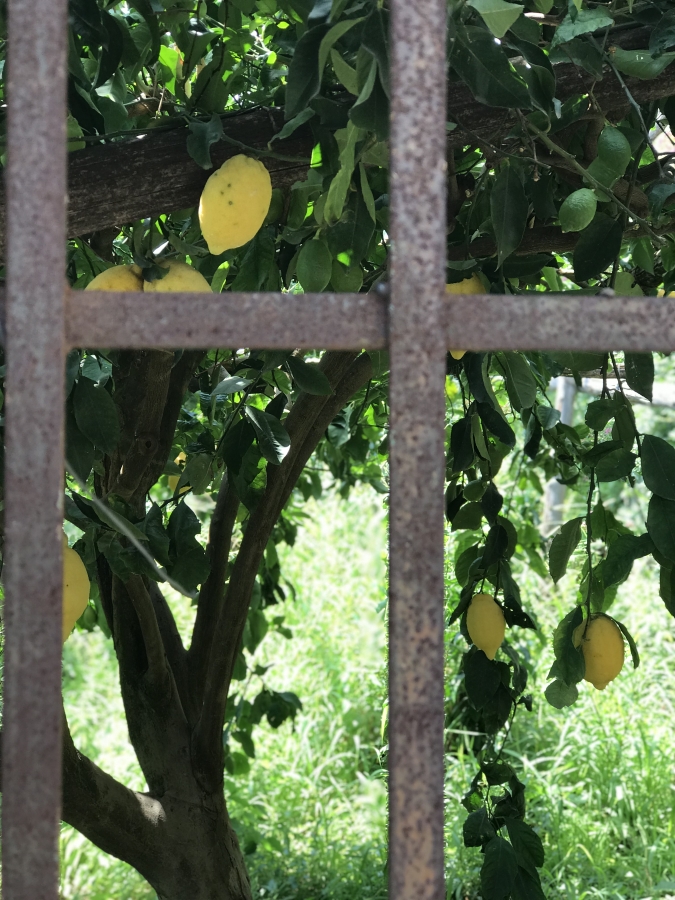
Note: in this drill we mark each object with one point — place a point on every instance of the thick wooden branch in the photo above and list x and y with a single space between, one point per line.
157 671
151 174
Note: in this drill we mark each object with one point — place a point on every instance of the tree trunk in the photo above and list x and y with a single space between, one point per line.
201 858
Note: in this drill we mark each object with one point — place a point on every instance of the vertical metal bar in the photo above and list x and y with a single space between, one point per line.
36 200
417 345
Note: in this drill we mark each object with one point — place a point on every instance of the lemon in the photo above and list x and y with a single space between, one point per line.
472 285
234 203
118 278
614 150
578 210
603 650
180 277
75 589
486 624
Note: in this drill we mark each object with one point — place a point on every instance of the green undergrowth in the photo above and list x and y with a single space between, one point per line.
311 812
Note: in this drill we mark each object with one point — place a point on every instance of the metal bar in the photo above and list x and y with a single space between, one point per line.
361 321
36 183
561 322
417 395
326 321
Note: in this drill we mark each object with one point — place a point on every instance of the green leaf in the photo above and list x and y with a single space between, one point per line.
469 517
485 67
569 661
153 528
597 247
202 136
615 465
375 39
477 828
621 555
96 415
344 72
273 439
496 424
497 15
508 208
304 82
461 446
634 655
667 588
663 36
371 110
366 193
527 885
481 678
560 695
314 266
80 452
661 525
339 186
585 22
331 38
640 373
579 362
599 412
293 124
520 382
527 844
309 377
233 384
640 63
144 7
562 547
499 869
658 466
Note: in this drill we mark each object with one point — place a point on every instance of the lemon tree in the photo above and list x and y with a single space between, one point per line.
244 146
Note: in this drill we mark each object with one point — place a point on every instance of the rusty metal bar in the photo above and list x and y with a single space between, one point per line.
361 321
418 348
34 437
328 321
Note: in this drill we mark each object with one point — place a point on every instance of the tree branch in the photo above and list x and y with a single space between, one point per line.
229 628
154 646
213 590
138 177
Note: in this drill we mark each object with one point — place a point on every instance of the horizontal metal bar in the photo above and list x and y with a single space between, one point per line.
270 321
360 321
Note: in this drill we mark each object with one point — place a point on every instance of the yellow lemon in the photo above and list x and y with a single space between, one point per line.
486 624
234 203
180 277
118 278
471 285
75 589
603 650
174 479
662 293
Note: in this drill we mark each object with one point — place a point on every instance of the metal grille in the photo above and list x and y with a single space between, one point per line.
44 320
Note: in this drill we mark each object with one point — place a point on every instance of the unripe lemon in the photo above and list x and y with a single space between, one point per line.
234 203
578 210
486 624
117 278
180 277
603 650
472 285
614 149
75 589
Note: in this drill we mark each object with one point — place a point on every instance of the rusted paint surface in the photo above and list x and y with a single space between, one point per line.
417 345
561 322
33 465
328 321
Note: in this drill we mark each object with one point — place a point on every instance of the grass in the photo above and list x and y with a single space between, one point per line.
600 776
